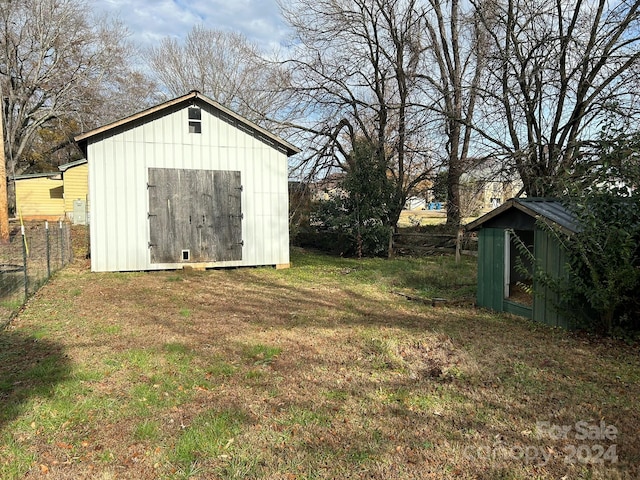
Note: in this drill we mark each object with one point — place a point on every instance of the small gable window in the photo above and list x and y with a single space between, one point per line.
195 120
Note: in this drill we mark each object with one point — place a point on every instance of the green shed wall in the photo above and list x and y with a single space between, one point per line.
491 268
550 255
552 259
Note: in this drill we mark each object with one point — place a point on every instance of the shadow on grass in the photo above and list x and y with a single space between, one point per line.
29 367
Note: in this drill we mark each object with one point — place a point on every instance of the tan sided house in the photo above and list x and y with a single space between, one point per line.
75 176
54 196
39 196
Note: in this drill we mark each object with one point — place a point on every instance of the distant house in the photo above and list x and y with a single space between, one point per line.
54 196
330 187
75 177
186 183
486 186
39 196
415 203
502 285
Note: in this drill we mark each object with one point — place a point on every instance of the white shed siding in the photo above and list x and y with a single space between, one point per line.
118 175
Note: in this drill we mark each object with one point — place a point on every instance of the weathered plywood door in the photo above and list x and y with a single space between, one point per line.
194 215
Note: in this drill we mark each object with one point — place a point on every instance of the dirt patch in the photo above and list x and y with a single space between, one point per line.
439 359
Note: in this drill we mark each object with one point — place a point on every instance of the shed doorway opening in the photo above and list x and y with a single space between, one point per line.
518 265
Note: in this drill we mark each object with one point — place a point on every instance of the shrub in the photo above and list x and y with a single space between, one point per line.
602 289
358 211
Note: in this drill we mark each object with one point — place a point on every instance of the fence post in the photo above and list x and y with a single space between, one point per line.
459 239
61 244
46 229
24 263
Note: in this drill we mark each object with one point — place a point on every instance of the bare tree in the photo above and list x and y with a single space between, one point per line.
457 50
223 65
354 76
123 91
118 94
54 62
557 71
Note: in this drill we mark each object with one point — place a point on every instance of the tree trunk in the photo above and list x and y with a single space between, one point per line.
4 204
454 216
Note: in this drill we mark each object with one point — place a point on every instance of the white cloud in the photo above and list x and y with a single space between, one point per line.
152 20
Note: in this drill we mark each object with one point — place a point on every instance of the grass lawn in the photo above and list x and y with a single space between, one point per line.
418 217
319 371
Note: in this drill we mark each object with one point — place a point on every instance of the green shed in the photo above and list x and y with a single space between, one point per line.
503 287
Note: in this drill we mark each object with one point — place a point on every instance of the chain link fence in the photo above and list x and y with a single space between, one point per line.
34 252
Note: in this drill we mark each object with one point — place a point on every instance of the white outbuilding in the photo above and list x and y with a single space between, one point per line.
187 183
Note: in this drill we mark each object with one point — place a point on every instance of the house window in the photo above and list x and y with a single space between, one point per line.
195 120
57 192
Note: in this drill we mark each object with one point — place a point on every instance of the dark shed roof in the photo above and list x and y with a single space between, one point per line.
546 209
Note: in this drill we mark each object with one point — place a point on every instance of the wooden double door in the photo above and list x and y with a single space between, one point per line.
194 215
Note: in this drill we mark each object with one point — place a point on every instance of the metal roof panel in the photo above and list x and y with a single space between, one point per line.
549 209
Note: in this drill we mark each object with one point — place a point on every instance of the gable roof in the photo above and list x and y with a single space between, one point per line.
66 166
27 176
192 96
547 209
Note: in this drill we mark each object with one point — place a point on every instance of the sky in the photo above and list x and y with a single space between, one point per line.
151 20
